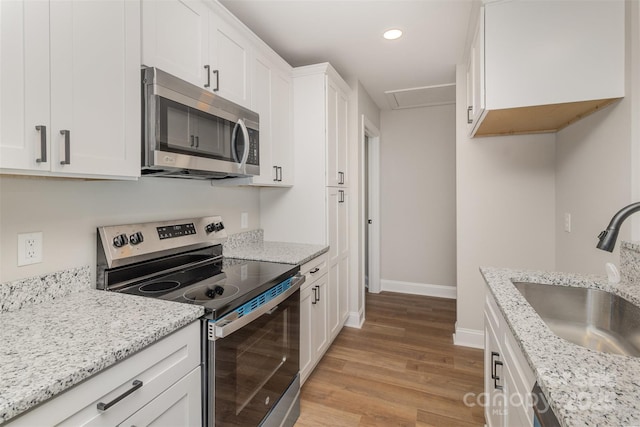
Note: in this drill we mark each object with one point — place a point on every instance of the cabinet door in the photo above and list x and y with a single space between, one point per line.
495 393
332 133
230 55
24 85
306 333
179 405
261 102
175 38
338 241
319 318
95 87
342 139
282 127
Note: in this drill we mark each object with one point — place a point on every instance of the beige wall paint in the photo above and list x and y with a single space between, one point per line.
505 207
595 174
68 212
417 200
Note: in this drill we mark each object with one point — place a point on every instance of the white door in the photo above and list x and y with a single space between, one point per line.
230 58
261 103
175 38
95 87
25 131
319 317
332 134
307 355
282 131
342 136
179 405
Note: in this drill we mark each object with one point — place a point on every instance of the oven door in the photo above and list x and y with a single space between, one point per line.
254 364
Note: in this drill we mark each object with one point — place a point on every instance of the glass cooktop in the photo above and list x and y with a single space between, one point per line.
219 286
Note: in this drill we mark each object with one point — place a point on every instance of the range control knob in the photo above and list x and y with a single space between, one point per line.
214 226
136 238
120 240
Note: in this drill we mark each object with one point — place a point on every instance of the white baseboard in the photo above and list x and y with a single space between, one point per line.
425 289
468 337
355 319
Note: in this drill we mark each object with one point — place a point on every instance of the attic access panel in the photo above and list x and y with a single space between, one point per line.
425 96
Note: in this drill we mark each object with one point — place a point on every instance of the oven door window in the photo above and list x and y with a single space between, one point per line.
185 130
255 365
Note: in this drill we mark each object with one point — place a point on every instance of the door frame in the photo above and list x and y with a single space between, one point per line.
368 129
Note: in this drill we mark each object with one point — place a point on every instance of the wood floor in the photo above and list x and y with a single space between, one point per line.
400 369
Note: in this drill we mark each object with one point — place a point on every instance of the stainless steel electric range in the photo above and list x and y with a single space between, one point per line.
250 330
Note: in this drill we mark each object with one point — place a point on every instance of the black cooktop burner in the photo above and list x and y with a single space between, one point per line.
154 287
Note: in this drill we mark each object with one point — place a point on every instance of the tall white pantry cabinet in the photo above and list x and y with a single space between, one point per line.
317 206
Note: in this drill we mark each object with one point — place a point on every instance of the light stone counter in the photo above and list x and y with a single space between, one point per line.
53 337
251 246
584 387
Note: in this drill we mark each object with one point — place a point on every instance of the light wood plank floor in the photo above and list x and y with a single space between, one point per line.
400 369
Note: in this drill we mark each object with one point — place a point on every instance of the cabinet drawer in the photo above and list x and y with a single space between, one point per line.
314 269
157 366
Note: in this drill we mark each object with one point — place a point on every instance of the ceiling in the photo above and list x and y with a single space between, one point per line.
348 34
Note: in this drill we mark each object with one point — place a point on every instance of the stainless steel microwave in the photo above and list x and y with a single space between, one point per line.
190 132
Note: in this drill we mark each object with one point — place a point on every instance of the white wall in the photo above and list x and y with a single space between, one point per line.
418 202
505 209
595 174
68 212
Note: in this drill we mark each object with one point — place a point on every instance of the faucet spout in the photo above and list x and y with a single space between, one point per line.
608 237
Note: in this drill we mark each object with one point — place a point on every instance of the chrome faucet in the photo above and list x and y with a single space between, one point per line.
607 238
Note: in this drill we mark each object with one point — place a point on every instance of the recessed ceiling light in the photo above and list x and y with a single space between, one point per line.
392 34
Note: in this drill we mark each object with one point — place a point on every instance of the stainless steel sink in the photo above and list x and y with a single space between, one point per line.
591 318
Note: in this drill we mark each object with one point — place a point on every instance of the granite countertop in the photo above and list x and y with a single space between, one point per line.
583 387
51 345
251 246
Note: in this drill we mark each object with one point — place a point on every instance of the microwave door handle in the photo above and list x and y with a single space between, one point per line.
245 133
234 142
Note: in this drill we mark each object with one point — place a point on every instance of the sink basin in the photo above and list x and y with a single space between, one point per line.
591 318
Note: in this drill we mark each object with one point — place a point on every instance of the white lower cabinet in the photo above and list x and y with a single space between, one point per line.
508 378
179 405
314 319
169 393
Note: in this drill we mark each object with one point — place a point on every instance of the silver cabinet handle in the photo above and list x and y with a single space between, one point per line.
469 119
67 147
341 199
104 406
208 68
217 73
197 141
275 168
340 177
43 143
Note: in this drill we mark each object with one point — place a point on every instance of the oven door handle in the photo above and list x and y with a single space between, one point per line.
230 326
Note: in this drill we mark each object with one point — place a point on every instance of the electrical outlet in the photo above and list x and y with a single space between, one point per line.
29 248
244 220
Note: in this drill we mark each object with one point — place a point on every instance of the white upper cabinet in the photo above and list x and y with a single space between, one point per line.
336 131
543 65
191 40
271 99
76 70
175 38
230 59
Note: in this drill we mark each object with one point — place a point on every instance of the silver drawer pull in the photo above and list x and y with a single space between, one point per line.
67 147
43 143
104 406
